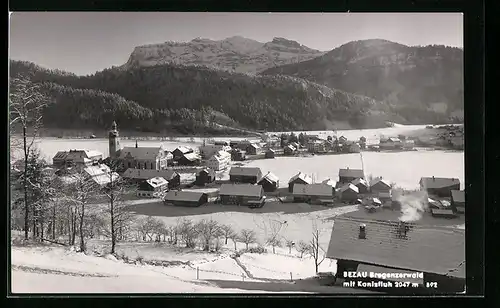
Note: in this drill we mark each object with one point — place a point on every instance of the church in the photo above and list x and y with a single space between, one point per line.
154 158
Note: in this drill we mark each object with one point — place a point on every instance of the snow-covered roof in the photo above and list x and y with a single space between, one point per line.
349 187
330 182
246 190
157 182
271 177
191 156
380 181
101 169
318 189
360 181
302 176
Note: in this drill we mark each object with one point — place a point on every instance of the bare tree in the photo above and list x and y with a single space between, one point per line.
187 231
81 192
208 230
227 232
274 242
316 251
290 244
234 237
147 227
26 103
303 247
119 217
247 236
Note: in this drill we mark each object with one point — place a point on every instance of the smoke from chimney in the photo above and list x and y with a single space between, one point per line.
412 206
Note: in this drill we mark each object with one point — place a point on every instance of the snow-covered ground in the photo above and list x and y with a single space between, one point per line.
50 269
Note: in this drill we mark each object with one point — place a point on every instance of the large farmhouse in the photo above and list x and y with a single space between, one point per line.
440 187
299 178
76 158
242 194
320 193
388 247
249 175
348 175
140 175
185 198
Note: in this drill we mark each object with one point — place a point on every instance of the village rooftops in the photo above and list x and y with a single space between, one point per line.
381 181
347 187
428 249
458 196
302 176
270 177
241 190
145 174
433 182
97 170
74 154
184 149
359 181
318 189
140 152
245 171
330 182
157 182
207 171
352 173
175 195
191 156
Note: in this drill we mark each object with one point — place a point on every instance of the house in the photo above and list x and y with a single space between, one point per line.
270 153
153 158
208 150
100 174
220 161
361 184
76 158
269 182
299 178
348 193
245 175
352 147
181 151
408 144
205 176
289 150
342 140
242 194
440 187
153 188
189 159
185 198
391 143
458 200
330 183
379 185
390 247
316 147
170 157
253 149
238 155
320 192
349 175
140 175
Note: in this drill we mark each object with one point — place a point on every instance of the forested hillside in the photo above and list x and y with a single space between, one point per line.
413 78
190 99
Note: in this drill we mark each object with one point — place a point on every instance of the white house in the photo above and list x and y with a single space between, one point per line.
208 150
219 161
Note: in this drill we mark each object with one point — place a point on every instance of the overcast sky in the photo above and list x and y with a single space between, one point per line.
87 42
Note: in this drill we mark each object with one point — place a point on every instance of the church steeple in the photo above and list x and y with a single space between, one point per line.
114 140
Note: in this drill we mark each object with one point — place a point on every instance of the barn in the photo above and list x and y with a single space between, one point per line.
380 185
361 184
440 187
299 178
185 198
348 175
313 193
348 193
249 175
242 194
269 182
205 176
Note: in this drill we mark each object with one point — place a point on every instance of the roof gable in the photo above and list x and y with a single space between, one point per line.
428 249
157 182
318 189
354 173
360 181
380 183
246 190
145 174
245 171
301 176
270 177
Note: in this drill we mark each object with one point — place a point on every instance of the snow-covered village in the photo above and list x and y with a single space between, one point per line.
123 197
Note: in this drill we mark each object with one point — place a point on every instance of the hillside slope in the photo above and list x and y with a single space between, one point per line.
236 54
191 96
429 78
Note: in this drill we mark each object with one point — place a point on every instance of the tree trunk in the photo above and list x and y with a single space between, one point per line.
73 229
82 239
234 245
54 223
25 185
113 236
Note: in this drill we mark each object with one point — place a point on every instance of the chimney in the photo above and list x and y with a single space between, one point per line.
362 231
